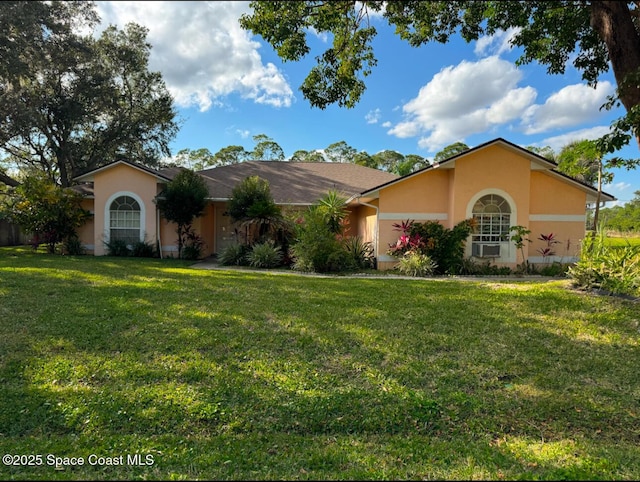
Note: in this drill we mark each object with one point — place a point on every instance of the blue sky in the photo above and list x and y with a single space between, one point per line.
229 86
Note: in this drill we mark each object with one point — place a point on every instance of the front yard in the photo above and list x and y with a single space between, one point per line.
149 369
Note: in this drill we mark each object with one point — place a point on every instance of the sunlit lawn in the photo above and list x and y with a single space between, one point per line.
623 240
240 375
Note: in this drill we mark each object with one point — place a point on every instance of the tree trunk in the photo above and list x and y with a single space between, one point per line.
8 181
598 197
613 23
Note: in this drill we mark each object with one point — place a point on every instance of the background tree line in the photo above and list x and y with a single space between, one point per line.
266 149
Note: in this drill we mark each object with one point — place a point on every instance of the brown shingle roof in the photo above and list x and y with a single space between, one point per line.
296 182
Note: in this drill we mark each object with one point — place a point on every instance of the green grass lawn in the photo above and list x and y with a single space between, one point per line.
622 241
239 375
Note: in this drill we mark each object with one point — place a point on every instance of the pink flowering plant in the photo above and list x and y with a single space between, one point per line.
406 241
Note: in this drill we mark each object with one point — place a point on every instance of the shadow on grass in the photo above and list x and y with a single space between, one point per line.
345 375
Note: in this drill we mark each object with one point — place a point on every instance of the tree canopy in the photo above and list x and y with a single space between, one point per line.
625 218
593 36
70 102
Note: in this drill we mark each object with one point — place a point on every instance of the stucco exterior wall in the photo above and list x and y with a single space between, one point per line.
86 232
559 208
538 200
424 193
494 170
122 180
550 195
569 235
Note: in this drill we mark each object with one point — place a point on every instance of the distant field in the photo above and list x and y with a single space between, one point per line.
623 240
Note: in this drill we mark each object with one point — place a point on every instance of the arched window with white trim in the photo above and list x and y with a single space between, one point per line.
125 220
492 216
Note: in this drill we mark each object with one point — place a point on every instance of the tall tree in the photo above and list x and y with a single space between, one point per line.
340 152
450 151
70 102
411 163
266 149
546 151
594 36
388 160
363 158
584 160
196 159
231 155
307 156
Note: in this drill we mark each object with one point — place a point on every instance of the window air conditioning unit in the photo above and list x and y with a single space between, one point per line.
486 250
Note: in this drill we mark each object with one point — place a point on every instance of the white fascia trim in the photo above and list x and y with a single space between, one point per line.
582 218
414 216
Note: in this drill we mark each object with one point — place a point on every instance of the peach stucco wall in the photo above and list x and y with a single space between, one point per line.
539 201
550 195
86 231
424 193
123 180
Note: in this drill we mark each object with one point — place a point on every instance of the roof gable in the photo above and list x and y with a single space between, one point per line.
164 175
537 163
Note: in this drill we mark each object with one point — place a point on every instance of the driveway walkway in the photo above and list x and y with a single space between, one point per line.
211 263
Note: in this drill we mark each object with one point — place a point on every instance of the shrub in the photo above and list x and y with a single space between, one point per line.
252 205
117 247
72 246
555 269
234 255
360 251
445 246
193 244
612 269
265 255
317 248
142 249
51 214
470 266
414 263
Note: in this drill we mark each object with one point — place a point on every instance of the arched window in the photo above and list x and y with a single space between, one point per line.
492 215
124 220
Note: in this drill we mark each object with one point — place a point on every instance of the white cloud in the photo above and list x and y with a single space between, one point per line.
495 44
558 142
464 99
202 52
373 116
572 105
617 189
621 186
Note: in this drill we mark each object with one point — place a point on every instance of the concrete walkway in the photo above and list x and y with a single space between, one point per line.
211 263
